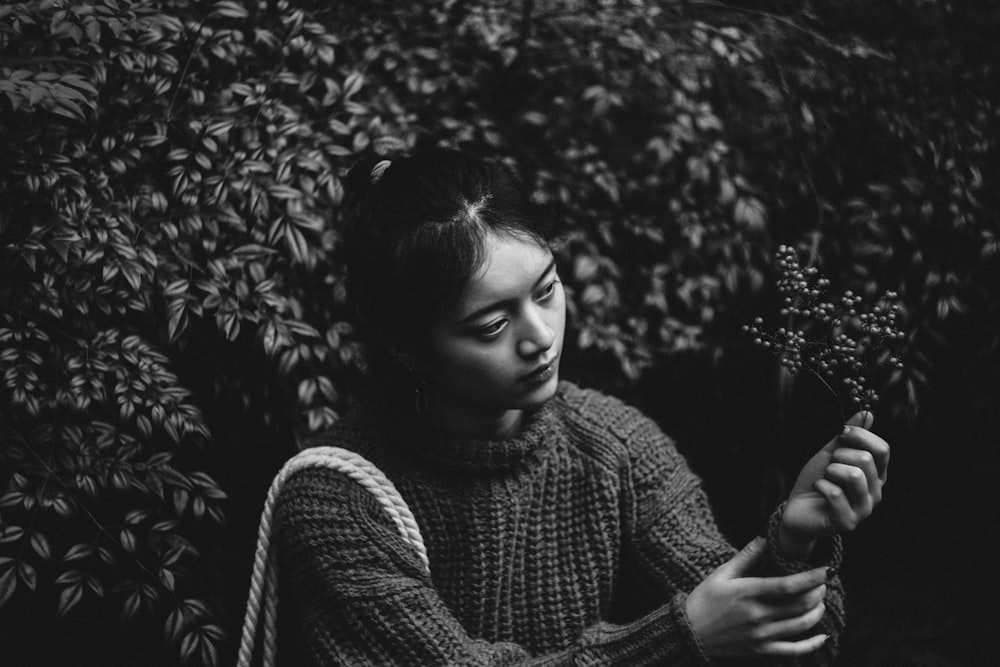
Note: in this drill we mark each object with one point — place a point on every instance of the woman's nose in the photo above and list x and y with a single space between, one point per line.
537 335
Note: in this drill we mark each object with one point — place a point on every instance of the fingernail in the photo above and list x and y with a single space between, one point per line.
845 430
825 637
831 572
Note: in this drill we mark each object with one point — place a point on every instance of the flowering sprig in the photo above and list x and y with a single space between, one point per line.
831 336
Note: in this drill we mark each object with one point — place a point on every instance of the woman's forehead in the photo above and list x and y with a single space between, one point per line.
512 266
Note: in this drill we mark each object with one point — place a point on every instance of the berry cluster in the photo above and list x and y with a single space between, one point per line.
831 337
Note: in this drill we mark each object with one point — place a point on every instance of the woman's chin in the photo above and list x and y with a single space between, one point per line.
540 392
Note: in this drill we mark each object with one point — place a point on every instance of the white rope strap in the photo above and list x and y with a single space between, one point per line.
264 580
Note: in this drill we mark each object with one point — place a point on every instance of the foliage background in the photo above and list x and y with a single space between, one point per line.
171 305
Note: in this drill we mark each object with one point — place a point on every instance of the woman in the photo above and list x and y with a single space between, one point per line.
562 526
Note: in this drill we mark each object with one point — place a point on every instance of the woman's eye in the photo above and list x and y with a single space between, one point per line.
493 329
548 290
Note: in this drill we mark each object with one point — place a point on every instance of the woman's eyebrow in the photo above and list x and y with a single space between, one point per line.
479 312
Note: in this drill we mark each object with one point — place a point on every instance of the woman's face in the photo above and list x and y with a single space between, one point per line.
496 352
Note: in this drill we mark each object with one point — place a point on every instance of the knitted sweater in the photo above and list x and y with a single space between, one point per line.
573 543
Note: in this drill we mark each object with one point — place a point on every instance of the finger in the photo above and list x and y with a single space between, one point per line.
866 440
801 647
863 418
790 627
741 563
854 484
790 607
863 459
789 585
859 420
841 516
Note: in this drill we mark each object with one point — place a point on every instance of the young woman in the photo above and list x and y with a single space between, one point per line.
562 526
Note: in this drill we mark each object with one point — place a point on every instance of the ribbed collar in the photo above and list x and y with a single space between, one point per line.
475 454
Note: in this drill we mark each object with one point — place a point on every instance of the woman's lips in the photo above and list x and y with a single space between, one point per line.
540 374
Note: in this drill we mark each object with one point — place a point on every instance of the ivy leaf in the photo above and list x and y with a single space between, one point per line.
8 585
228 9
28 575
127 539
40 544
69 598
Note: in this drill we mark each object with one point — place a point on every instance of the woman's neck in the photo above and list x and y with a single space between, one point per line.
464 421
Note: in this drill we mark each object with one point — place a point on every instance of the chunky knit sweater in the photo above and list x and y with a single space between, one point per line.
573 543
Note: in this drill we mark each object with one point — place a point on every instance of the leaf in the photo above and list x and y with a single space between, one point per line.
35 94
131 606
181 498
28 575
136 516
749 211
228 9
164 526
127 539
69 109
177 325
93 29
177 287
172 555
40 544
353 84
8 585
284 192
297 243
69 577
251 251
11 534
175 623
189 645
302 328
107 557
168 579
144 425
69 598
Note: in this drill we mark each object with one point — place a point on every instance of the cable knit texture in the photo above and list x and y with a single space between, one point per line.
574 543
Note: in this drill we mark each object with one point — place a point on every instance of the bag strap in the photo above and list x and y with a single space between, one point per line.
264 580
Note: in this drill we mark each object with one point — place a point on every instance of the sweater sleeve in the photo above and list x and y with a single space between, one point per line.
676 542
354 592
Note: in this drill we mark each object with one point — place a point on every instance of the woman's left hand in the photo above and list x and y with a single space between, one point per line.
837 489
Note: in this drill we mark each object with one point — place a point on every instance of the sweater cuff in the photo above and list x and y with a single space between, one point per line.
663 636
827 552
677 613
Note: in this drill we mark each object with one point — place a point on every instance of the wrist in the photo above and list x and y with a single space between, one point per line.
794 547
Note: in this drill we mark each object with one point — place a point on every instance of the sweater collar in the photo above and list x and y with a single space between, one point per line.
483 455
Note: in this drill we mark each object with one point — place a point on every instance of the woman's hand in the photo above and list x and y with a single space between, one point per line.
837 489
739 616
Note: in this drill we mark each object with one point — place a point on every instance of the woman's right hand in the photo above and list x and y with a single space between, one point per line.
738 616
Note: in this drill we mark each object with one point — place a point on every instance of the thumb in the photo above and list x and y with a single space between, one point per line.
740 564
864 419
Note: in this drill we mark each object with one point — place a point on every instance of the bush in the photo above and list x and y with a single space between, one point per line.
873 133
171 169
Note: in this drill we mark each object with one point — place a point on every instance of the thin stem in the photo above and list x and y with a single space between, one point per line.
187 63
832 391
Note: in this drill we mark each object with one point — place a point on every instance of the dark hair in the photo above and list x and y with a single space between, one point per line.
415 234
